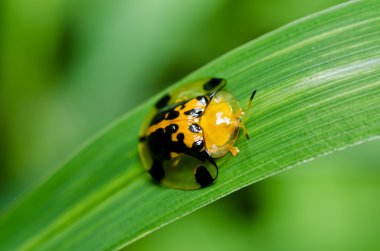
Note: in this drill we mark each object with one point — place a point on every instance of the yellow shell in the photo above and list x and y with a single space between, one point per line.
221 123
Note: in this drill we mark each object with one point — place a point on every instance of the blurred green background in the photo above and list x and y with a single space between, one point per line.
69 68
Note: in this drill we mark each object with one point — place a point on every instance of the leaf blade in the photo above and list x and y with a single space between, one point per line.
318 84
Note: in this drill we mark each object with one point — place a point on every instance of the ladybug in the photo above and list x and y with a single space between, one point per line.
187 130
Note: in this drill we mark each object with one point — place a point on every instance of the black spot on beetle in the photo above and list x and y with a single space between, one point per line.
157 171
198 145
180 137
159 143
172 115
172 128
142 138
194 112
163 102
203 176
212 84
195 128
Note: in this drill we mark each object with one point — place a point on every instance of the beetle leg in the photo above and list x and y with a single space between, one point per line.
234 151
246 112
244 130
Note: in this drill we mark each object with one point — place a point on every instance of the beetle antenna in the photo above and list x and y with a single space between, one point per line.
250 101
246 113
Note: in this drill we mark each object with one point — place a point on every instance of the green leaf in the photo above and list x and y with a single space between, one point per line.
318 83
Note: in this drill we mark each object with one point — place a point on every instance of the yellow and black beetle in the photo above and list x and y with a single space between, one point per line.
187 130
